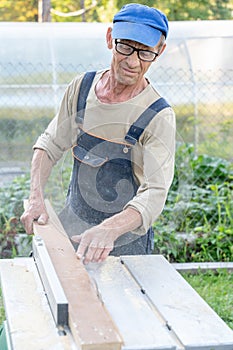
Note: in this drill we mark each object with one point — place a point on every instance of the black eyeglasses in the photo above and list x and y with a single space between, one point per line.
127 50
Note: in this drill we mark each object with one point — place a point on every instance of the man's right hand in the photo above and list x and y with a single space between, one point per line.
35 211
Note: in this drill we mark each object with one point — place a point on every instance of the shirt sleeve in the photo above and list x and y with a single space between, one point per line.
155 177
61 133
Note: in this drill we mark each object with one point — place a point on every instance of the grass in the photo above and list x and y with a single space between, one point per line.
38 74
212 127
2 313
217 290
25 114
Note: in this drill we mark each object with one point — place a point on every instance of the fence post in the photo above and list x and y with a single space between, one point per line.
195 100
44 7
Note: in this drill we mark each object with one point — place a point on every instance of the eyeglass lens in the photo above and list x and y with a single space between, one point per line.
127 50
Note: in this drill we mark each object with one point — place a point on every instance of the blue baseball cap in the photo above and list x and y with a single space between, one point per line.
140 23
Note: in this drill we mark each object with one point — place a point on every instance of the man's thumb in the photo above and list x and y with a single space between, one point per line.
43 219
76 238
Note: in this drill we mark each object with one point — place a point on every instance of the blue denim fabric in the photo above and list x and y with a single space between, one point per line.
102 184
102 181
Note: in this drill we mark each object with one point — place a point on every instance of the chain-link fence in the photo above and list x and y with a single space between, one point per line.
30 96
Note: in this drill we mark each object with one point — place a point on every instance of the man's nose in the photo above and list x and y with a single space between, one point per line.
133 59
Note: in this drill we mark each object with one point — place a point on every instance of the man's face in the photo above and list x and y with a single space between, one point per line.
129 70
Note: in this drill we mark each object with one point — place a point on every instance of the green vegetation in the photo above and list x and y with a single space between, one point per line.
20 127
2 313
18 135
197 221
212 127
216 289
27 10
196 224
11 199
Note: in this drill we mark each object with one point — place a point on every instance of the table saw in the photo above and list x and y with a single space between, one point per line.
53 302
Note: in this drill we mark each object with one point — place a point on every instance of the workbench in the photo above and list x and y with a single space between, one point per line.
54 302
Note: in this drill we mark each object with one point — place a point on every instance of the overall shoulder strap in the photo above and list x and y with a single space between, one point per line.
83 93
137 128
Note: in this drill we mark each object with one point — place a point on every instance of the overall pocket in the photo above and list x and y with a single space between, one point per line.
88 157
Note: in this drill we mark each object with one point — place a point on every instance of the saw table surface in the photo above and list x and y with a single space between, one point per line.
53 302
30 322
152 306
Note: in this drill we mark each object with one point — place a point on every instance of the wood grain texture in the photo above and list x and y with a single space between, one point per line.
139 322
196 325
29 319
91 325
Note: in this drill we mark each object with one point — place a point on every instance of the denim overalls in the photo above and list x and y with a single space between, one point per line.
102 181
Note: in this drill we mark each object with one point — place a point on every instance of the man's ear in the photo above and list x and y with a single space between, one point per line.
109 38
162 49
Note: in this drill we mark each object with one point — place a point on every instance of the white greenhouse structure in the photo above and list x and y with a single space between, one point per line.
197 53
38 60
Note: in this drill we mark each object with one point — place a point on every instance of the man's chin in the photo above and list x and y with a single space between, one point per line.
128 79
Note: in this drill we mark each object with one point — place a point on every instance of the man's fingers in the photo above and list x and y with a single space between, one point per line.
27 220
93 254
105 254
29 227
91 249
43 219
83 244
77 238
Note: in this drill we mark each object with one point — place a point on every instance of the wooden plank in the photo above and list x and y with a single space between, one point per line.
29 319
196 325
89 321
139 324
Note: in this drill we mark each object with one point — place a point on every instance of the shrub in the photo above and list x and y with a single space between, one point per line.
11 199
197 221
196 224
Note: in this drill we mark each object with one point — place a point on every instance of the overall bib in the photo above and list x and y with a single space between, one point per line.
102 181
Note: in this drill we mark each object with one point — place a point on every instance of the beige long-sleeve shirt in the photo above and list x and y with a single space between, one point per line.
153 156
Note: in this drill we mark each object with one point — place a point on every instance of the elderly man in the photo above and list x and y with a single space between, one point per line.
122 136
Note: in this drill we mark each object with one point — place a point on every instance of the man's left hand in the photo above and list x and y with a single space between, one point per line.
95 244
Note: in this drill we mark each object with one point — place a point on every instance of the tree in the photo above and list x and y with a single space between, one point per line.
103 10
197 10
44 8
180 10
19 10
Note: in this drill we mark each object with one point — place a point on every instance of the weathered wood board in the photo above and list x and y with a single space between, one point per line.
89 321
128 303
140 326
189 316
29 319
